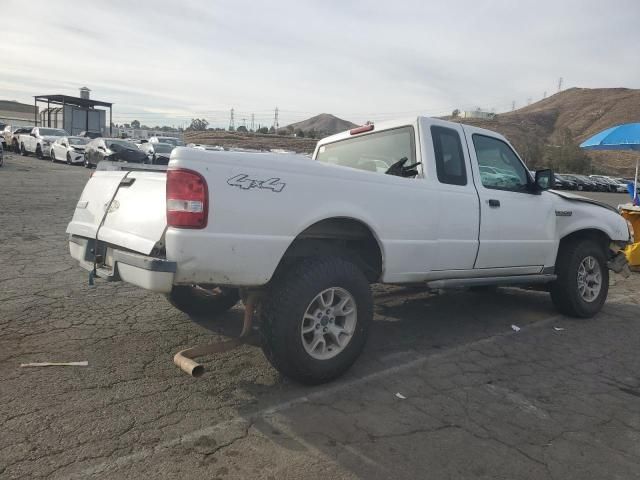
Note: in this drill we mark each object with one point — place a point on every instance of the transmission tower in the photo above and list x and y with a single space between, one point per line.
232 122
560 81
513 105
244 122
275 120
253 122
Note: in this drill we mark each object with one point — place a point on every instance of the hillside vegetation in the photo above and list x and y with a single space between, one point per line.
548 132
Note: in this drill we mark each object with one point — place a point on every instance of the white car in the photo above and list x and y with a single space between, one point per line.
68 149
301 240
39 140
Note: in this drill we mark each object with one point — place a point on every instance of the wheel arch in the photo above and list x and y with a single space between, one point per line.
600 236
341 236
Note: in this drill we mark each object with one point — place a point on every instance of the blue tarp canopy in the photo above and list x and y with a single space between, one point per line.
620 137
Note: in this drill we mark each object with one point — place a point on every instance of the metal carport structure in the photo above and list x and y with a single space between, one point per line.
85 104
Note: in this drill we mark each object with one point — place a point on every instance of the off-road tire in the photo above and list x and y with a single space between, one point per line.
564 290
197 301
290 294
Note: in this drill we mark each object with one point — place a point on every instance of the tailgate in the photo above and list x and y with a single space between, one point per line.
137 218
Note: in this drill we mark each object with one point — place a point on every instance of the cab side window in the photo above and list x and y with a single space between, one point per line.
500 168
447 146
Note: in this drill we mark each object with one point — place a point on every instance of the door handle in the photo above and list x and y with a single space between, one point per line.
493 202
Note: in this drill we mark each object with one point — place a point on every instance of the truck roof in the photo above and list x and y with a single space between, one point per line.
388 124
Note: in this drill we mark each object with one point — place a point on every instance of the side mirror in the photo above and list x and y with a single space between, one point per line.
544 179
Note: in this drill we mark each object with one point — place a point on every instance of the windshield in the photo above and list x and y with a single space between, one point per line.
121 143
55 132
173 141
374 152
78 141
163 148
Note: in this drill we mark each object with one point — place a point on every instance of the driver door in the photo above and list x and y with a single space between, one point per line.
517 227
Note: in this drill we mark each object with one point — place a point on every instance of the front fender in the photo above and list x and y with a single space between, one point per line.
575 215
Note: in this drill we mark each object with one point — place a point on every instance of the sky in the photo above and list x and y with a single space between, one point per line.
165 62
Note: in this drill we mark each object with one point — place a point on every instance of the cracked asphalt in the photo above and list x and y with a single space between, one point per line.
559 399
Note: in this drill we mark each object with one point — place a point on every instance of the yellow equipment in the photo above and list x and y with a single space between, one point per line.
632 215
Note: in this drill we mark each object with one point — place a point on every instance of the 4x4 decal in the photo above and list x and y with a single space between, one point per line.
245 183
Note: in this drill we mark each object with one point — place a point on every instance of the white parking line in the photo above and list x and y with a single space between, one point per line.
248 419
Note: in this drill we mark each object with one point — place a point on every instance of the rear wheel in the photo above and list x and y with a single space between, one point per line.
39 152
316 319
195 300
583 278
23 151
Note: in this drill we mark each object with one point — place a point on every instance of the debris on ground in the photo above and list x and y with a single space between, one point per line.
84 363
515 328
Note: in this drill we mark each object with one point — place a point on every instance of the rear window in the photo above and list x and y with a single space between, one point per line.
449 156
374 152
163 148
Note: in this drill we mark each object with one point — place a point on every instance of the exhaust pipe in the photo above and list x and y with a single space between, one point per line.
184 358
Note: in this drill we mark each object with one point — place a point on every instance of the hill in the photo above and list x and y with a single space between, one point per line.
254 141
548 132
323 124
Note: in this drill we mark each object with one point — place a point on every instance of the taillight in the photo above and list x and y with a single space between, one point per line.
187 199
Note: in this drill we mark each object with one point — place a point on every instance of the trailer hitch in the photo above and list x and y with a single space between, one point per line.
184 358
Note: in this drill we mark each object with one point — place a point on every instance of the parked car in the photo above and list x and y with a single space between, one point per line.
157 153
68 149
584 183
615 184
607 183
563 182
39 140
12 138
115 149
176 142
223 225
5 136
1 155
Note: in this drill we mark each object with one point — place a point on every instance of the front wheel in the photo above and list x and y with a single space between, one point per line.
52 154
199 301
583 279
23 151
316 319
39 152
68 158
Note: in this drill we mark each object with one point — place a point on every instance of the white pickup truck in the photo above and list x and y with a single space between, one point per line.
39 140
403 202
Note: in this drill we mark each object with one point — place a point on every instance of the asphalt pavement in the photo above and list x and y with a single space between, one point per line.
446 388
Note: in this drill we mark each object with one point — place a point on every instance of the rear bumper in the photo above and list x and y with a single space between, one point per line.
150 273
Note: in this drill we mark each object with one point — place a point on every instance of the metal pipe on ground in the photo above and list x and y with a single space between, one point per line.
184 358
